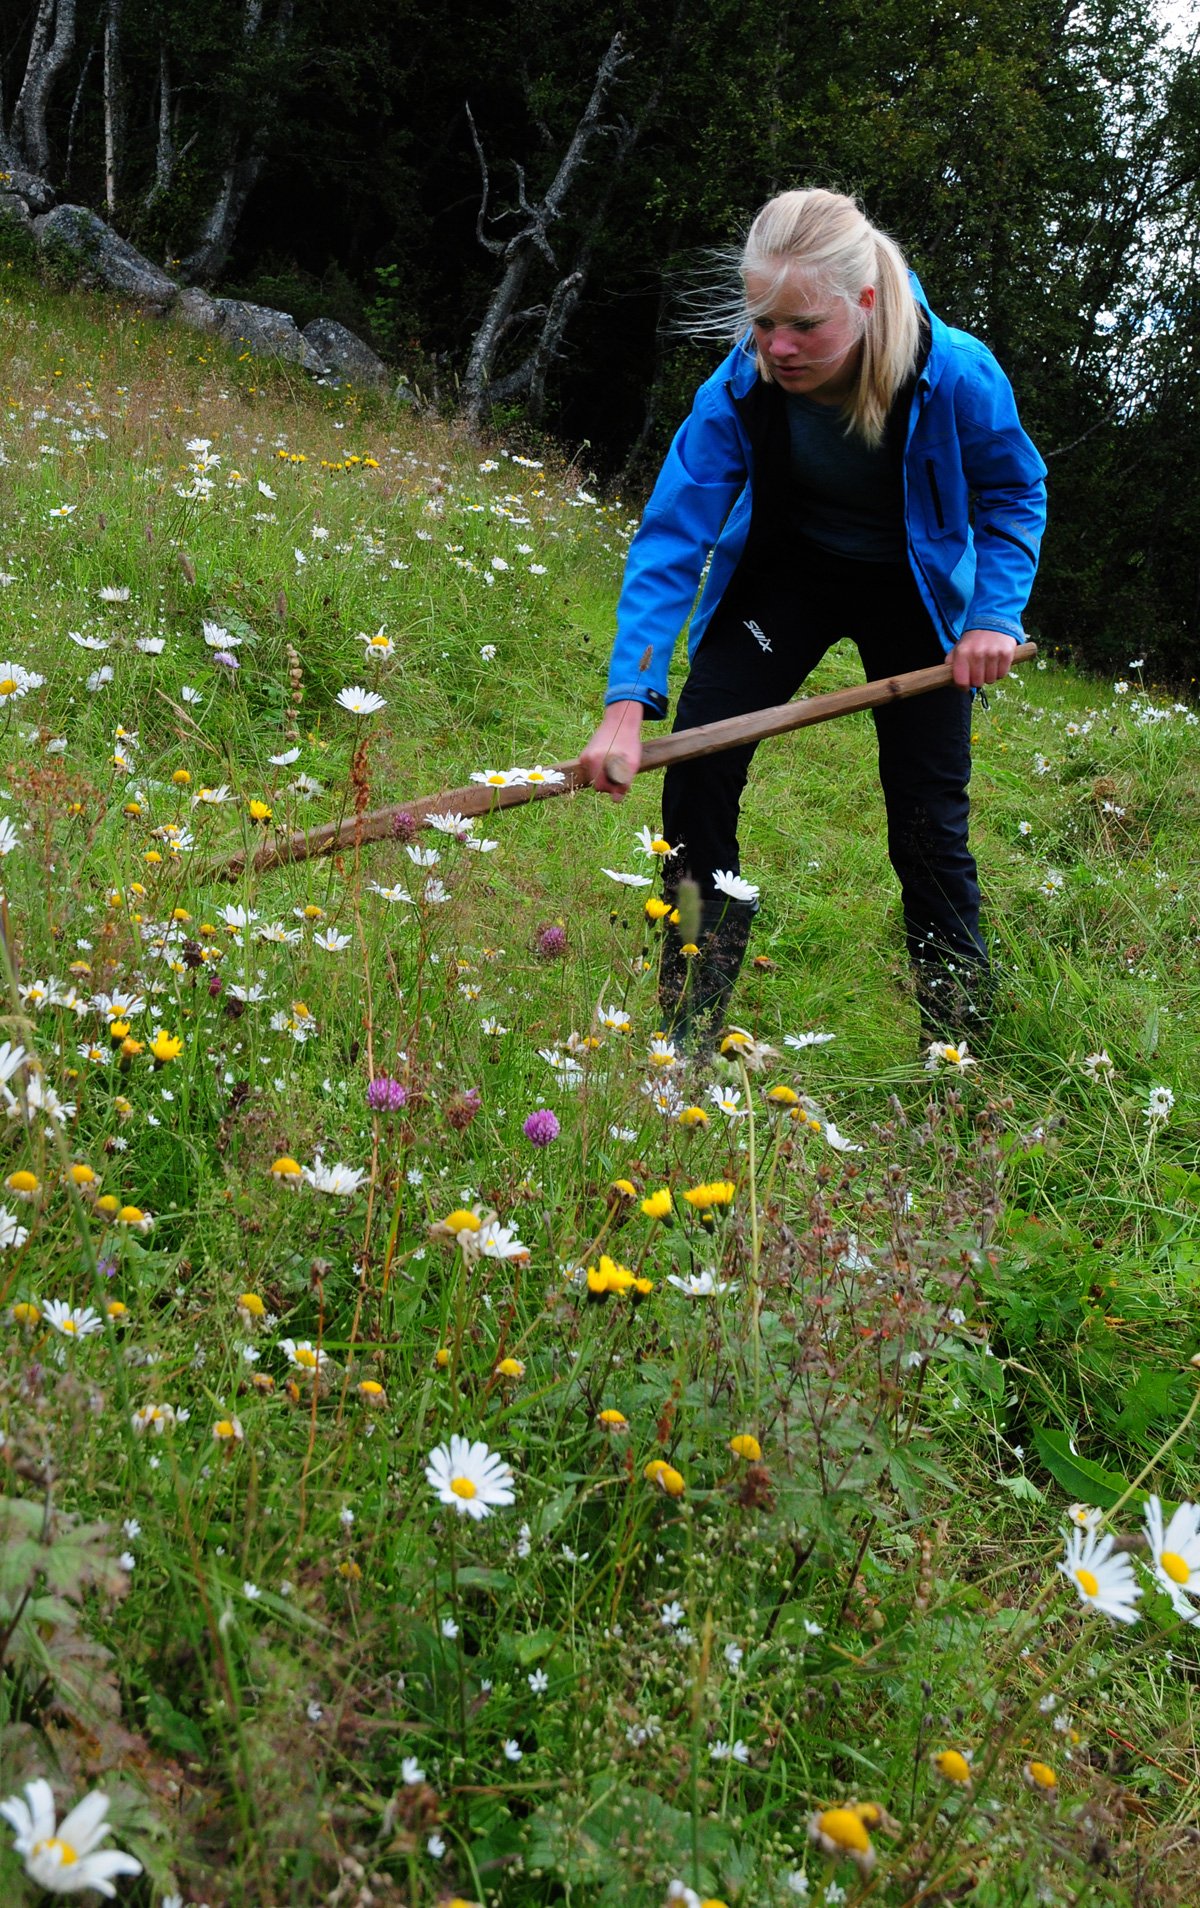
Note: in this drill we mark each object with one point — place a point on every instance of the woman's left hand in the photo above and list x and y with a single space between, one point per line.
981 656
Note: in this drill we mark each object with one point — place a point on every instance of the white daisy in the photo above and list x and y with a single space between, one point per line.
729 1102
803 1040
469 1478
940 1053
702 1284
499 778
1105 1582
361 702
1175 1555
648 843
628 880
73 1321
726 882
339 1180
302 1354
65 1858
331 941
218 638
390 894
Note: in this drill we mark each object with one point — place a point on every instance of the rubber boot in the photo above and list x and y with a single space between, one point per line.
694 990
955 1000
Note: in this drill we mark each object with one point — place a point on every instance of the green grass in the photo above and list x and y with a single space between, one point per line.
939 1340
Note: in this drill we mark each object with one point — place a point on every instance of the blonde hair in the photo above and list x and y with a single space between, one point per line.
828 235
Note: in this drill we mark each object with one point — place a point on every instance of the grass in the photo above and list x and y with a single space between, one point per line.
297 1676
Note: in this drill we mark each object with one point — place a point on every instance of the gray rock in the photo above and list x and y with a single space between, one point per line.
348 359
102 258
197 310
265 333
14 207
37 195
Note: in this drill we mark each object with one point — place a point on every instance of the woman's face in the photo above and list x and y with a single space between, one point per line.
810 339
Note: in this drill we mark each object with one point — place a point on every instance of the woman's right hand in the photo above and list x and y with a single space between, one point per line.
613 756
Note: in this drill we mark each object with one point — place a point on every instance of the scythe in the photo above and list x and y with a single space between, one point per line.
379 824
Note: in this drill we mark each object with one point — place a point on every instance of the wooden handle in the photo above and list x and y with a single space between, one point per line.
685 746
617 769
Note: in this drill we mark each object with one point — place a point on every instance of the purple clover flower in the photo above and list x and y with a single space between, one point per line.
224 659
541 1128
551 942
385 1095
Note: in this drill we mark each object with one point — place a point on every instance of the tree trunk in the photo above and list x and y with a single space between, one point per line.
47 57
112 103
206 261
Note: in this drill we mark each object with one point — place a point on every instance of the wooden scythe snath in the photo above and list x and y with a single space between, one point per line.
379 824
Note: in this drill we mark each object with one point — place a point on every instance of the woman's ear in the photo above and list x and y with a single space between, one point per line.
866 298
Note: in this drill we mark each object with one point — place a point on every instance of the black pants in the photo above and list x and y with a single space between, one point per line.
771 628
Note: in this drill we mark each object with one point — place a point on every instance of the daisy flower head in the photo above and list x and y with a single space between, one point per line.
65 1858
941 1053
656 845
733 886
628 880
73 1321
802 1040
1158 1105
1175 1555
339 1181
303 1355
1105 1582
361 702
842 1832
469 1478
1095 1064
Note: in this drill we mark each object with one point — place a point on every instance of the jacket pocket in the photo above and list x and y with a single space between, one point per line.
1006 536
935 496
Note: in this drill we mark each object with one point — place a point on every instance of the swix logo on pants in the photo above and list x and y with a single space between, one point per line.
760 636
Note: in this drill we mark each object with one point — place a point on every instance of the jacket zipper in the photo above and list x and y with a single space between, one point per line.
990 530
933 491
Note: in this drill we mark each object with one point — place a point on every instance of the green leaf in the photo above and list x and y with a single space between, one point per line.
1023 1488
174 1729
1084 1481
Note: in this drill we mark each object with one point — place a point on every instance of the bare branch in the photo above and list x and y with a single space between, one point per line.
495 246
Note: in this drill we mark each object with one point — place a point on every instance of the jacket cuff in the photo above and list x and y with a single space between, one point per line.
1003 626
654 704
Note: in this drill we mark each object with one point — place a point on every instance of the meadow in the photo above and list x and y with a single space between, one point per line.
456 1449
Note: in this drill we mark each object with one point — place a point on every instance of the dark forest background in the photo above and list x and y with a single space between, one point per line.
1038 159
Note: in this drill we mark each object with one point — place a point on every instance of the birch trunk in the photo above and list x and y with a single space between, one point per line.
112 103
50 48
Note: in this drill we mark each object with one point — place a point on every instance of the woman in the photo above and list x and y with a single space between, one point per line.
856 468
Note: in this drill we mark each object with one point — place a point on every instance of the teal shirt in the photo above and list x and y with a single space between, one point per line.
848 497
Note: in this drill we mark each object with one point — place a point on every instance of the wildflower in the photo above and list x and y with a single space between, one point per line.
1086 1516
64 1859
552 777
361 702
659 1472
458 1222
939 1054
251 1311
628 880
499 778
952 1764
1040 1777
165 1047
1175 1555
729 1751
727 883
656 908
610 1420
755 1053
135 1219
510 1368
73 1321
1094 1064
716 1192
513 1750
541 1127
692 1116
744 1445
808 1040
288 1170
228 1431
302 1355
783 1097
494 1241
25 1314
841 1832
1105 1582
702 1284
651 844
24 1185
728 1101
339 1181
372 1392
662 1053
550 942
386 1095
468 1477
1158 1105
658 1204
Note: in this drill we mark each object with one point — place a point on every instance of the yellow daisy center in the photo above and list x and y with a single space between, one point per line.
1088 1582
1043 1775
66 1854
1174 1566
843 1828
68 1325
8 686
304 1355
953 1056
463 1487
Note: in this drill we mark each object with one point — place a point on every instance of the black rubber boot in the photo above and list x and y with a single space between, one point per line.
694 990
955 1000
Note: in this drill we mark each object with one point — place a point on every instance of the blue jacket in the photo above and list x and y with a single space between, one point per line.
974 505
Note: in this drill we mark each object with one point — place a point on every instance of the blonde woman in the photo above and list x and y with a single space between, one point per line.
856 468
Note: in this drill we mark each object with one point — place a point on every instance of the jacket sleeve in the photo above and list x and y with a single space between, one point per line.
704 472
1007 479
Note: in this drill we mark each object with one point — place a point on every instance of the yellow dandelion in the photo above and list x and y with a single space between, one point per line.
612 1420
952 1764
656 909
745 1445
165 1047
372 1392
658 1204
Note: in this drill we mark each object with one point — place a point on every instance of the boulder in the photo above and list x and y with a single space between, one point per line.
103 259
16 208
265 333
197 310
347 358
37 195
